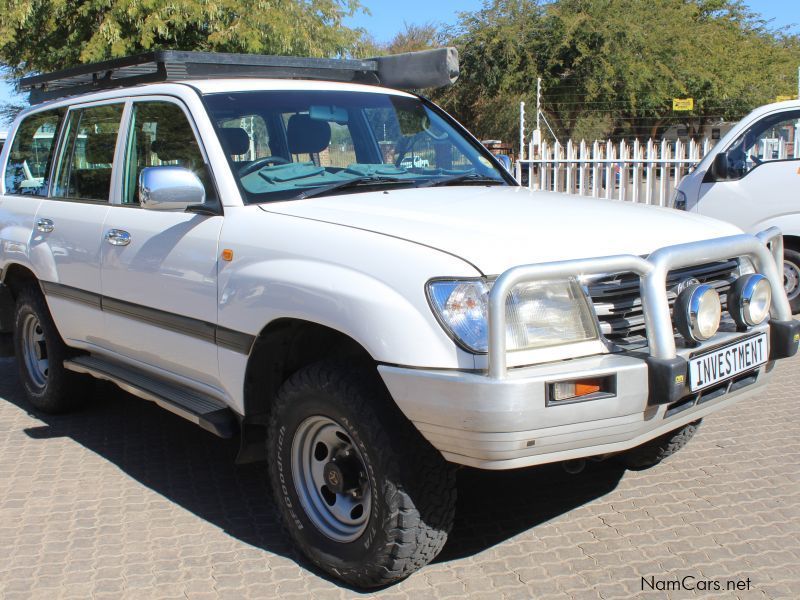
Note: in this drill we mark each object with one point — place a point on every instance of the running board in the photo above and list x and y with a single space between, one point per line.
212 415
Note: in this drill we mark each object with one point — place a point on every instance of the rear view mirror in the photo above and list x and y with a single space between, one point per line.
719 167
333 114
170 188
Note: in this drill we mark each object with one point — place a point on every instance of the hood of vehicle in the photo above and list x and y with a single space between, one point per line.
496 228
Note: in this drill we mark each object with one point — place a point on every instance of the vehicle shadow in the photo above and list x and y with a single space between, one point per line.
196 470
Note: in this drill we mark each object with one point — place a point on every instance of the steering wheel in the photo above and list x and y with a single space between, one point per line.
261 163
756 161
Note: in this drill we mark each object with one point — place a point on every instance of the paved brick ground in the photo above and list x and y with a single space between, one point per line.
126 500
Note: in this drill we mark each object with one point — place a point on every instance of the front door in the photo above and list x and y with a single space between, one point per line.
159 267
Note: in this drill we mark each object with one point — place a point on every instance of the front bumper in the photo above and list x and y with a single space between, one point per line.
506 423
500 419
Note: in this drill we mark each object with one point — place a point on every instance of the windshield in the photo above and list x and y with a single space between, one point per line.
297 144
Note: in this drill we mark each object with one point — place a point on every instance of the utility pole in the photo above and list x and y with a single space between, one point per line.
521 155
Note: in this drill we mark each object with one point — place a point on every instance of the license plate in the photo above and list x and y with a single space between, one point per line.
728 361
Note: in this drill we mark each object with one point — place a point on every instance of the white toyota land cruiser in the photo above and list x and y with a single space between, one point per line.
243 241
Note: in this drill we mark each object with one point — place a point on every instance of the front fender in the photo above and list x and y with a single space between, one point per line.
367 286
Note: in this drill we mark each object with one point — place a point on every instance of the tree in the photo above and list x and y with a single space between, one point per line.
46 35
612 67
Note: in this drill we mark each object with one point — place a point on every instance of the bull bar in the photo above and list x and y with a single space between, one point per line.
765 249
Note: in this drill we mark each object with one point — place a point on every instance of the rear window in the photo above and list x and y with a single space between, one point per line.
31 154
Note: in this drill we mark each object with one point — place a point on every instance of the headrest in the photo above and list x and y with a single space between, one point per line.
307 135
100 148
235 140
169 149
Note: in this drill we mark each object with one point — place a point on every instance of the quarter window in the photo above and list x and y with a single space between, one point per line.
31 154
86 162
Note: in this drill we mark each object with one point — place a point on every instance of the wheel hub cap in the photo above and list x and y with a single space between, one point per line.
791 279
330 479
34 350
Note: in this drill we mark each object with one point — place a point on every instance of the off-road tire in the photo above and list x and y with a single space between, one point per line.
63 390
790 255
653 452
413 487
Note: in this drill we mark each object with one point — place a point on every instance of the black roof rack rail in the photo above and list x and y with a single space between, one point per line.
412 70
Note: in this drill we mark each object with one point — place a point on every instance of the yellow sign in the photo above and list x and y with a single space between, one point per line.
784 98
683 104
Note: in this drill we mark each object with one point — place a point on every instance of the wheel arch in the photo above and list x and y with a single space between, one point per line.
13 278
281 348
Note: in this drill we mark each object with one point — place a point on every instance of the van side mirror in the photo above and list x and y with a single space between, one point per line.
170 188
719 167
505 161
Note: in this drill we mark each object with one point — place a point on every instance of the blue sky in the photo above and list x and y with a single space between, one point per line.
387 17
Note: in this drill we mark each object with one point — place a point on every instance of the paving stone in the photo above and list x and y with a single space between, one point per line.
124 500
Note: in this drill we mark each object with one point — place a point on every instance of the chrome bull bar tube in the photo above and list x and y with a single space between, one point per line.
652 273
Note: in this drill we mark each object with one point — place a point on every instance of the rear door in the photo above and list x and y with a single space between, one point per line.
159 267
65 249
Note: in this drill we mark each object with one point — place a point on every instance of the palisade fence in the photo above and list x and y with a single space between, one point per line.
636 172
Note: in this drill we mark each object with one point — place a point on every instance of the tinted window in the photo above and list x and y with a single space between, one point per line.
160 135
86 162
31 153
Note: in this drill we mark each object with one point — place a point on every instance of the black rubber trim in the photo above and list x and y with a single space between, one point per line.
177 323
234 340
71 293
667 378
196 328
784 339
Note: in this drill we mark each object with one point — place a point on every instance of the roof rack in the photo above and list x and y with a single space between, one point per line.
411 70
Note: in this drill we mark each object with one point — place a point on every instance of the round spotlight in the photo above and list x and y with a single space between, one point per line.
749 300
697 312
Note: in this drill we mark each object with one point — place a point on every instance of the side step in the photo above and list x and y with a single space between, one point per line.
212 415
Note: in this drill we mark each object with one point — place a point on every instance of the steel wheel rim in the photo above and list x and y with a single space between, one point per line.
346 518
791 279
34 350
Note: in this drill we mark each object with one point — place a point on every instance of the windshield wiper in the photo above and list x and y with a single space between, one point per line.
471 177
356 182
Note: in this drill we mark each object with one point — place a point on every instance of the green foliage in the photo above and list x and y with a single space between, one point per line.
612 67
45 35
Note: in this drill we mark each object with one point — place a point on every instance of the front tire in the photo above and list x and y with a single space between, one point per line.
653 452
791 277
40 353
362 494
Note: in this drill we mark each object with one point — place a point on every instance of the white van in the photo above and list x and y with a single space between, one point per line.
752 179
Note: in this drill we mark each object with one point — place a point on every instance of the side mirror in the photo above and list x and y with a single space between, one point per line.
719 167
170 188
505 161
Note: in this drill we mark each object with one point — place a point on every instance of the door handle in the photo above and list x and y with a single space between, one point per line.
118 237
45 225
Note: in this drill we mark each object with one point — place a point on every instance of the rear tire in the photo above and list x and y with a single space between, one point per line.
401 500
791 277
653 452
40 353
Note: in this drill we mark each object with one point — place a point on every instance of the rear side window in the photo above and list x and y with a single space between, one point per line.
86 162
31 154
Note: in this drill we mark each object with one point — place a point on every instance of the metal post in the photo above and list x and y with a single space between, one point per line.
521 131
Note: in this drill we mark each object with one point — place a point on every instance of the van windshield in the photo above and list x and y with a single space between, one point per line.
285 145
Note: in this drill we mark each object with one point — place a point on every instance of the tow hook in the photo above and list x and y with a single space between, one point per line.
573 467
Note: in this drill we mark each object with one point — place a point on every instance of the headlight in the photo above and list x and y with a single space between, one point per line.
538 314
749 300
697 312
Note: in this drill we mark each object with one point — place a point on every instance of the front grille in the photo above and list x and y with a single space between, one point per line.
618 303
